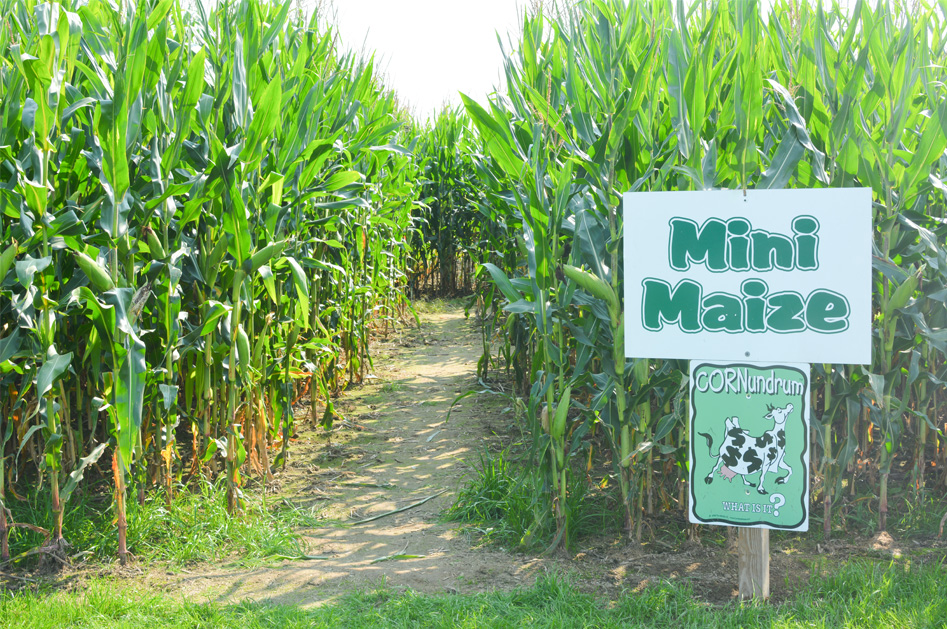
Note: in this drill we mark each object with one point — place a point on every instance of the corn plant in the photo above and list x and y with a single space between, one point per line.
207 213
613 97
450 228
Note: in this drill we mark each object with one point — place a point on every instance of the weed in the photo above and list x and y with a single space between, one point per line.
297 516
502 506
501 503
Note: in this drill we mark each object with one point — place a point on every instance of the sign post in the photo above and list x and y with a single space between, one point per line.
751 287
753 563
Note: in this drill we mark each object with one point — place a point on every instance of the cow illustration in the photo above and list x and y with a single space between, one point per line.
740 454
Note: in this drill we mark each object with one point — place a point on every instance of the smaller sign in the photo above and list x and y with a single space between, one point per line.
749 454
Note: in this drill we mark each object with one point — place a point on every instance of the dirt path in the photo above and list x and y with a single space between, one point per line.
394 449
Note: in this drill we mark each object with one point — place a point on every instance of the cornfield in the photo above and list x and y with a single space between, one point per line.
615 96
203 215
447 237
206 214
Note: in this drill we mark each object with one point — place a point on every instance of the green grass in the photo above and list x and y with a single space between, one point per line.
910 514
500 503
195 527
859 594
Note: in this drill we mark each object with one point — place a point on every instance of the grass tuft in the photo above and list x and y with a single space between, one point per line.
501 506
506 507
195 527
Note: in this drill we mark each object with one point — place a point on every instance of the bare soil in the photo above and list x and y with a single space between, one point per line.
394 446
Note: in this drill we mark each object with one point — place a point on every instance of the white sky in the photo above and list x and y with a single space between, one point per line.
429 50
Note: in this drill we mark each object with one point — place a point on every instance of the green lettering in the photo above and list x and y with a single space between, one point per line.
807 242
738 244
785 313
827 311
754 293
660 304
771 250
707 244
722 312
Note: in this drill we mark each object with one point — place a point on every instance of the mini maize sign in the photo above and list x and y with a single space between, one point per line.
781 275
749 455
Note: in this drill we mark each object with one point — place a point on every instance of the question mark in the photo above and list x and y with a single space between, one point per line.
780 500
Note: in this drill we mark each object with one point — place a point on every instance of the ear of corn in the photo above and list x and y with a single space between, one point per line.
97 274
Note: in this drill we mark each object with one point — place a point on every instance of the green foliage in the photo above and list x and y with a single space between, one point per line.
209 211
194 527
505 505
617 96
197 527
501 503
450 229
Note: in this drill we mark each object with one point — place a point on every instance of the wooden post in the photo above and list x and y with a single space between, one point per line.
753 550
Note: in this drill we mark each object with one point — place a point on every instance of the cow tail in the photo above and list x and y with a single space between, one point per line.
710 444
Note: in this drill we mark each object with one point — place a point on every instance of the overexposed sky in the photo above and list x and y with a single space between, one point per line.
429 50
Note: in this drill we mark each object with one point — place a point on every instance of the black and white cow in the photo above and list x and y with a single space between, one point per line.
744 455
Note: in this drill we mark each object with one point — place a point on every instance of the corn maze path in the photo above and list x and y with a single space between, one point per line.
393 448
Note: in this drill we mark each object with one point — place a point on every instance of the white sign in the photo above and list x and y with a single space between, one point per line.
772 275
